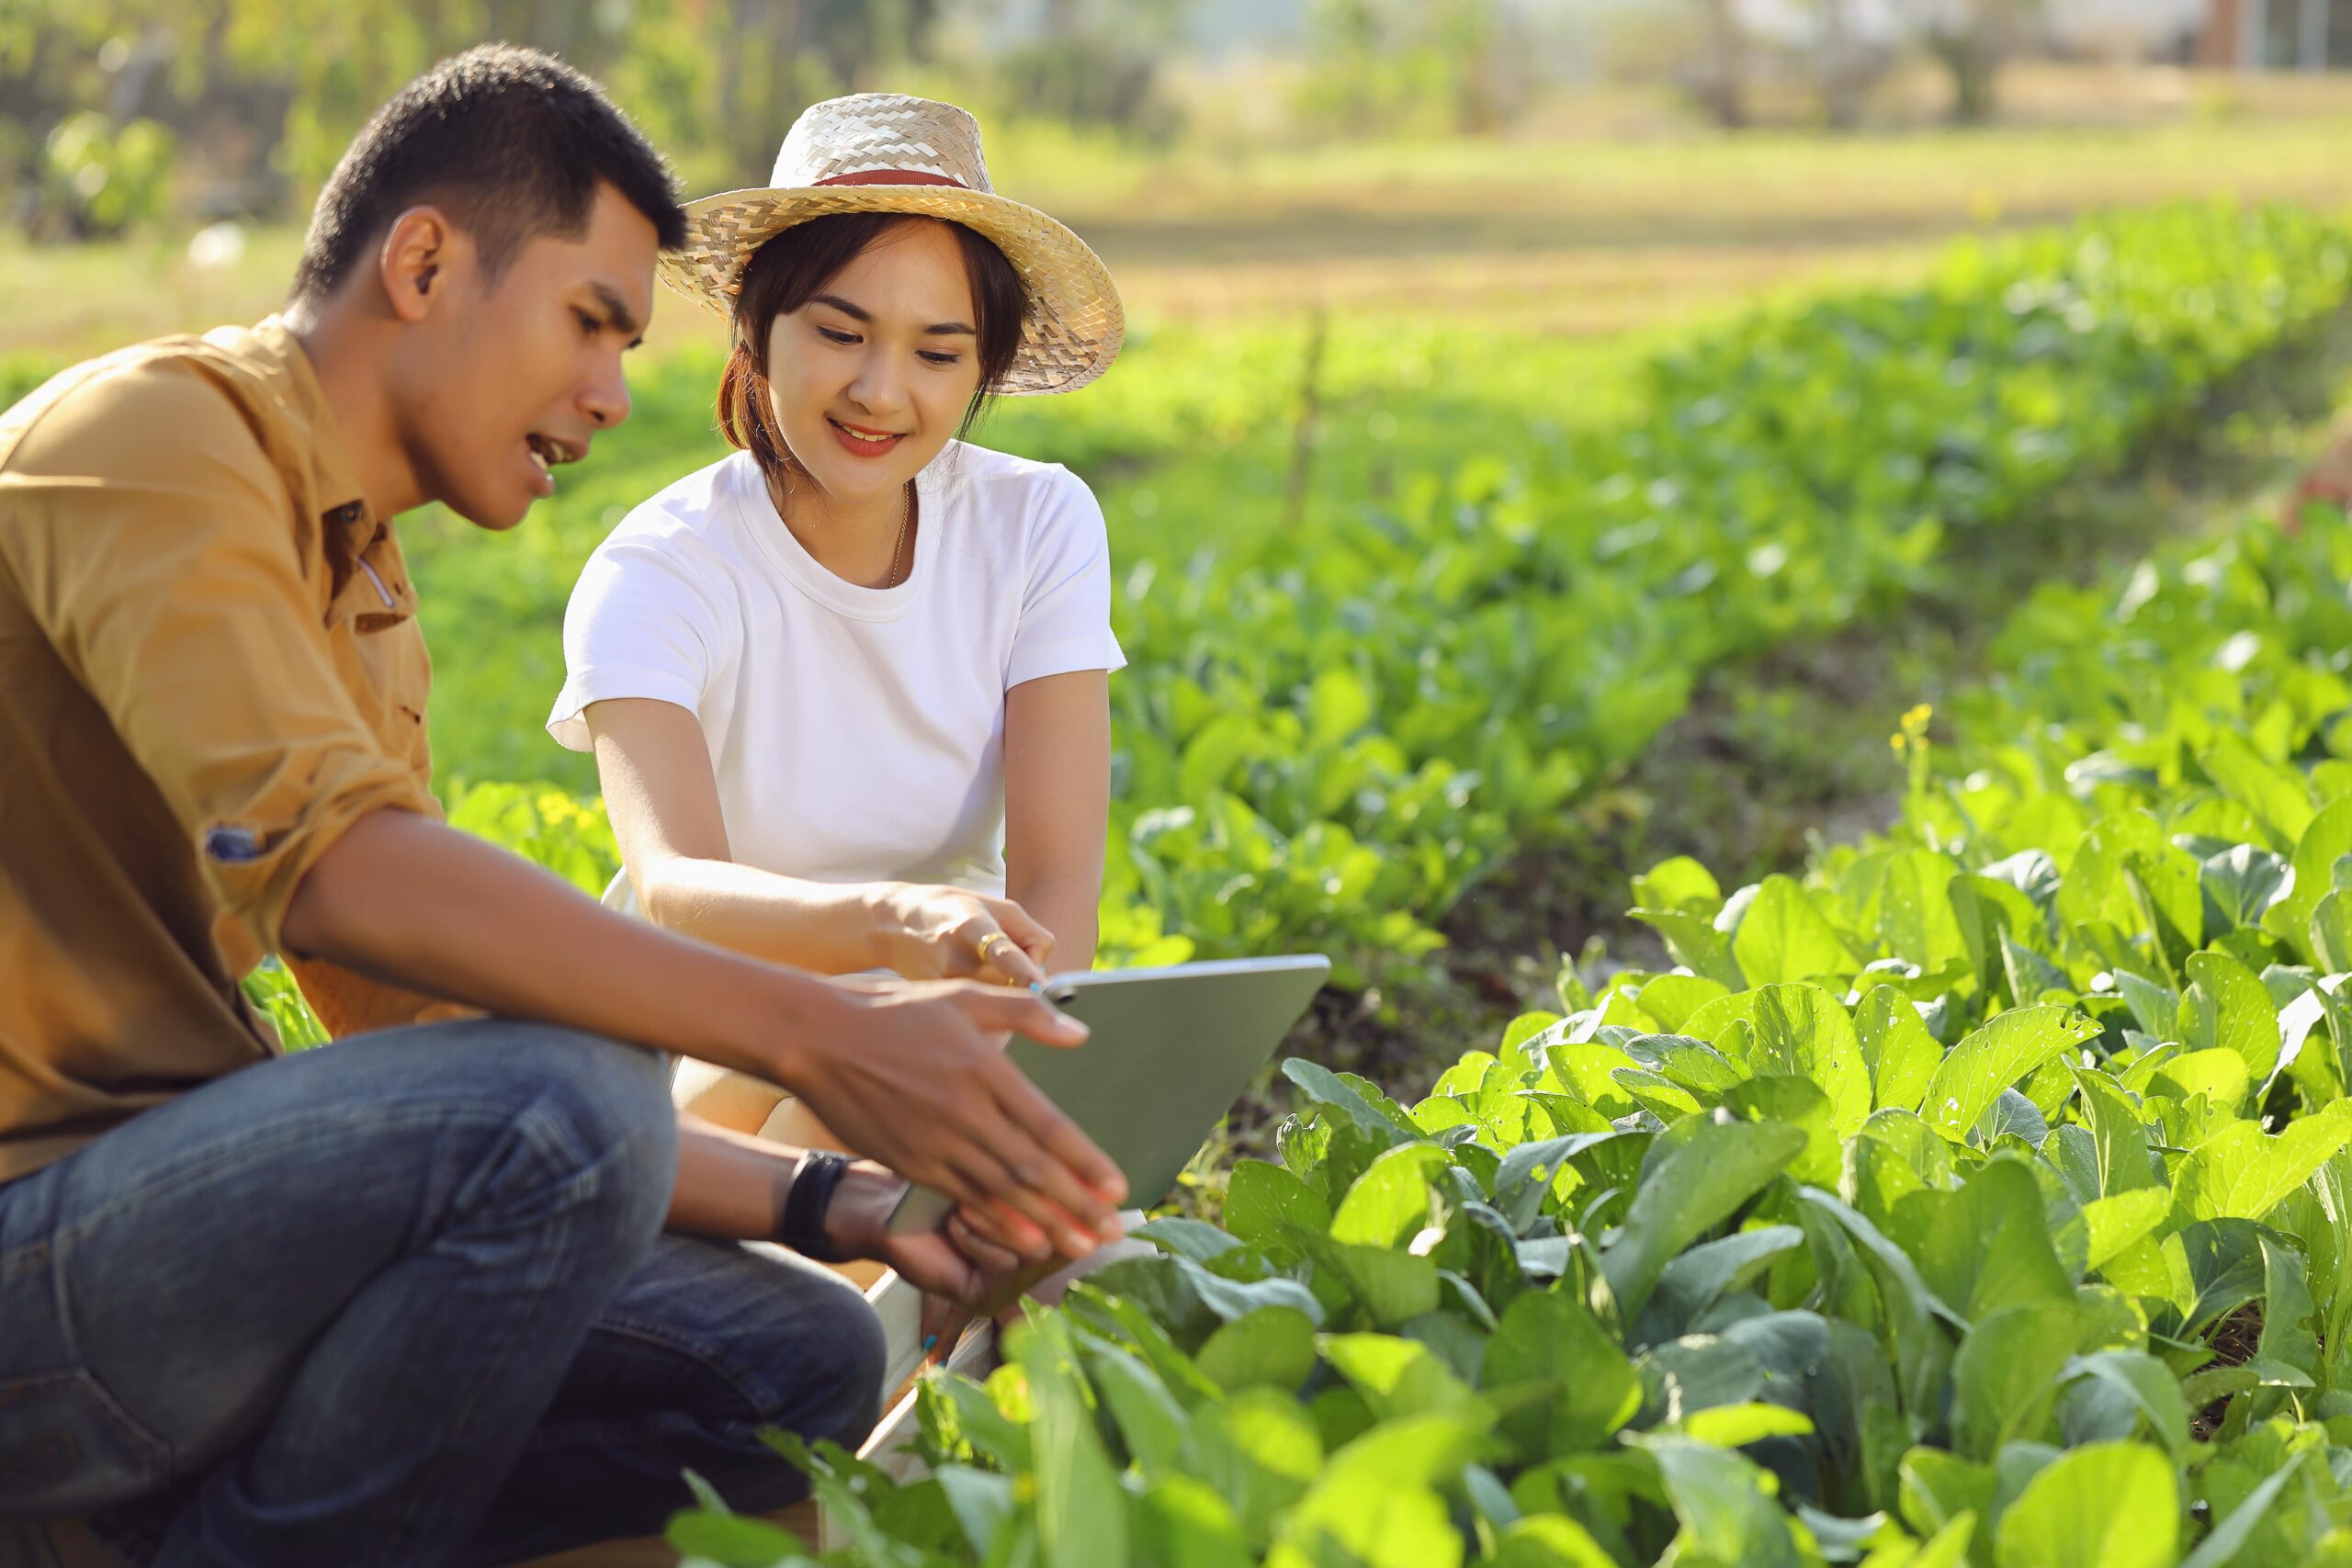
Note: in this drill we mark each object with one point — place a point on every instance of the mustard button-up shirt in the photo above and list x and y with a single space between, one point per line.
210 666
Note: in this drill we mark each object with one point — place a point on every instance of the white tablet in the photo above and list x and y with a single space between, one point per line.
1169 1051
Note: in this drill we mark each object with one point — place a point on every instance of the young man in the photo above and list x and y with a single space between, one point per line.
460 1290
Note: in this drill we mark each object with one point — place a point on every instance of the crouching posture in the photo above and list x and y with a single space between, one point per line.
461 1286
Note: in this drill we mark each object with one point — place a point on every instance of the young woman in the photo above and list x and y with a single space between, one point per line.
847 687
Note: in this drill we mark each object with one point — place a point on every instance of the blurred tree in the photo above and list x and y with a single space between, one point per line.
1717 76
1394 65
1972 39
1098 63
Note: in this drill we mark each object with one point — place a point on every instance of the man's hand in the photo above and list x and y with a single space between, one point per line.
918 1080
957 1263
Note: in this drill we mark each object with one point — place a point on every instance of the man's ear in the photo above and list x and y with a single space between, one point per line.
415 259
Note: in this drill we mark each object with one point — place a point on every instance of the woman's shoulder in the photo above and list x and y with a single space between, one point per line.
1006 482
696 506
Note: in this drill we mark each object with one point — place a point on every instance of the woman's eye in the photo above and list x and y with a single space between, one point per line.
830 335
943 359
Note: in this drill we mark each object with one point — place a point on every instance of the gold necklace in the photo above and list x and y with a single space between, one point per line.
906 532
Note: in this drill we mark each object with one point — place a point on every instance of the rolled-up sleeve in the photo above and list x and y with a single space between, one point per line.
183 589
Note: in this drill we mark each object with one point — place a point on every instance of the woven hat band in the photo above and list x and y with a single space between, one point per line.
894 177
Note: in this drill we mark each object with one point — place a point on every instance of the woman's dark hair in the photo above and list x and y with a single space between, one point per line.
790 269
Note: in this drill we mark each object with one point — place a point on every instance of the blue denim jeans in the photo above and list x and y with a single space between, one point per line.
402 1300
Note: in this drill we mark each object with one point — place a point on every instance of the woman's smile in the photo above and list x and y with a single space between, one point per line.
859 442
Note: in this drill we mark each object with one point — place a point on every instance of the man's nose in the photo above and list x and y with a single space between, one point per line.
606 398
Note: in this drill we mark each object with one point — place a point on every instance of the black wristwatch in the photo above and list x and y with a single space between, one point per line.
801 1226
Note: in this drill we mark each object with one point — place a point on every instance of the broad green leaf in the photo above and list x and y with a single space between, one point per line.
1548 1541
2004 1378
1694 1178
1150 1421
1399 1378
1680 883
1081 1509
2277 797
2102 1506
1777 935
2326 840
1727 1506
2242 883
2149 1388
1194 1239
1375 1497
1695 944
1986 1247
1389 1204
2014 1046
1273 1346
2231 1535
1548 1342
1902 1055
2241 1173
1694 1281
1391 1287
1940 1488
2218 1073
1181 1522
1799 1030
2120 1219
1261 1198
1672 999
1325 1087
1737 1425
1259 1450
1910 1313
2247 1020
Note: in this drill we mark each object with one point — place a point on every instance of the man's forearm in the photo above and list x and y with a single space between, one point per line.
730 1187
413 902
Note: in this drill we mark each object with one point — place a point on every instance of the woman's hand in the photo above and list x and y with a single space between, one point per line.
945 933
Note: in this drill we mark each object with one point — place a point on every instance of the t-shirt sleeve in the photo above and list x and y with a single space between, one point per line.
1066 605
643 622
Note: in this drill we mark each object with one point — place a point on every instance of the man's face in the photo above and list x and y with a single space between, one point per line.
505 382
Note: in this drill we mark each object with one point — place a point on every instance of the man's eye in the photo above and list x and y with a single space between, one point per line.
588 324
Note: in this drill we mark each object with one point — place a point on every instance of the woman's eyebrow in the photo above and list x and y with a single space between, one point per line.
860 313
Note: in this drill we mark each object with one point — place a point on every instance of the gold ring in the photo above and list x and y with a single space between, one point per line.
988 942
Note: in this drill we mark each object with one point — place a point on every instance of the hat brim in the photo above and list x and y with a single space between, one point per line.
1076 323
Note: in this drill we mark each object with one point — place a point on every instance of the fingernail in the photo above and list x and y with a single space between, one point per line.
929 1340
1036 987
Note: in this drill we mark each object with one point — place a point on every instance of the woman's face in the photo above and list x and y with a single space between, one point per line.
871 377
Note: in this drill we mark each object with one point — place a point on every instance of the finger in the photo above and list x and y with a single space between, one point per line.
1042 1190
985 1254
998 1010
1023 927
1007 958
1038 1119
1007 1228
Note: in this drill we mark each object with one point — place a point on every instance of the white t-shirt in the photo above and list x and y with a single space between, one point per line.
857 734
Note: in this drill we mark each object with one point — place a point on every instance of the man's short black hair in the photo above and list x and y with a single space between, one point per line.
510 142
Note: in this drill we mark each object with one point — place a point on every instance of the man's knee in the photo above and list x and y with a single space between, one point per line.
596 1112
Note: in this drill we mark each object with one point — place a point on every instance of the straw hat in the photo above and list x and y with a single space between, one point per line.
888 152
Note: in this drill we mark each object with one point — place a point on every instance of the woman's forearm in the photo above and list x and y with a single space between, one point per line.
1067 907
828 927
